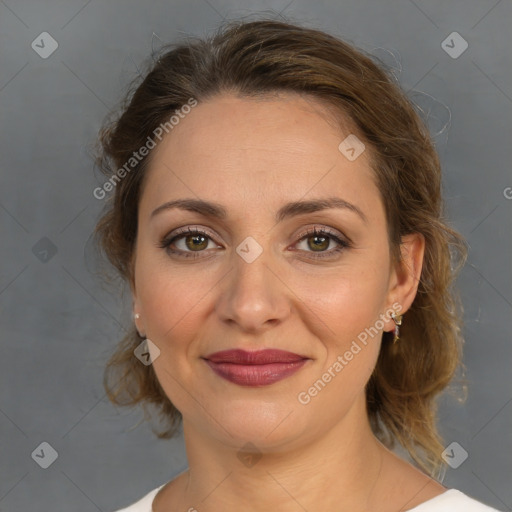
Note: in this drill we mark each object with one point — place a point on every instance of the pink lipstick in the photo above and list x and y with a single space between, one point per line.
256 368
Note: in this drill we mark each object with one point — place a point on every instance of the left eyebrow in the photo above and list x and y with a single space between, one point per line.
292 209
314 205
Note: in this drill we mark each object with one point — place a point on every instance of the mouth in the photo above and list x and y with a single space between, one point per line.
256 368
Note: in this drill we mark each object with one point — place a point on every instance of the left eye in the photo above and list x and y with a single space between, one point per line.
320 240
196 241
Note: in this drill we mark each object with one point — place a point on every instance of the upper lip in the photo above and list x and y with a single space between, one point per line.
267 356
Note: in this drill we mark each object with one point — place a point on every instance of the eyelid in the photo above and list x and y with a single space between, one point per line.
191 228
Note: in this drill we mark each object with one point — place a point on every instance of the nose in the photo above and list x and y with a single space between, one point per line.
253 296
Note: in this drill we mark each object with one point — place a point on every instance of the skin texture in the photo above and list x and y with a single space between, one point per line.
252 156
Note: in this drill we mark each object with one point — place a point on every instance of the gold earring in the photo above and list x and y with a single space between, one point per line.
398 322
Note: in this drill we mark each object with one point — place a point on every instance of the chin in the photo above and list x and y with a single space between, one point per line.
266 424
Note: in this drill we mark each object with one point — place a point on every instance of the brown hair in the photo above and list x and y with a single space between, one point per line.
268 56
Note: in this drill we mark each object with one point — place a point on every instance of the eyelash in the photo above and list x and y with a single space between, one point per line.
167 241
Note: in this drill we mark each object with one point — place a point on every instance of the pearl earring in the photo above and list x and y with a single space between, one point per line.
137 316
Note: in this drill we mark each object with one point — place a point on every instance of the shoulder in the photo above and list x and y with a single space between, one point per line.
144 504
452 500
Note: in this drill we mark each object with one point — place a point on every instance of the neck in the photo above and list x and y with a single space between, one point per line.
338 470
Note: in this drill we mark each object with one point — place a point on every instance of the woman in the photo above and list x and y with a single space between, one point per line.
277 214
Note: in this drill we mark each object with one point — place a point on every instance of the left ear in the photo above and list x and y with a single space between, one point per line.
405 276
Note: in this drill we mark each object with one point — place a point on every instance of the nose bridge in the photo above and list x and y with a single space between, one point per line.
253 296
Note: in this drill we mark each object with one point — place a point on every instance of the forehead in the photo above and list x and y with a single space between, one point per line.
269 150
278 123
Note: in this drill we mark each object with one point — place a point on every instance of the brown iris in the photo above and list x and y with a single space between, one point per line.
195 244
325 240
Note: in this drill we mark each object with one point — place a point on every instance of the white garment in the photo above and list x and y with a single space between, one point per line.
451 500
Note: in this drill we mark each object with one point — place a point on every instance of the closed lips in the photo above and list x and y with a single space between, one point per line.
256 368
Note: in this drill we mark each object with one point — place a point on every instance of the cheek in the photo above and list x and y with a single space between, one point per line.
170 301
345 302
159 290
345 315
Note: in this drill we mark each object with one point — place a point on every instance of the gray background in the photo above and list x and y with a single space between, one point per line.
59 323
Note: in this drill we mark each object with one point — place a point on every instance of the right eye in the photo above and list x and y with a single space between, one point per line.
195 241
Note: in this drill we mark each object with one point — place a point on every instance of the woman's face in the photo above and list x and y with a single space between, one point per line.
258 277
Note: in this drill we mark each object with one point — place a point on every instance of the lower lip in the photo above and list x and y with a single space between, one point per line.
255 374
